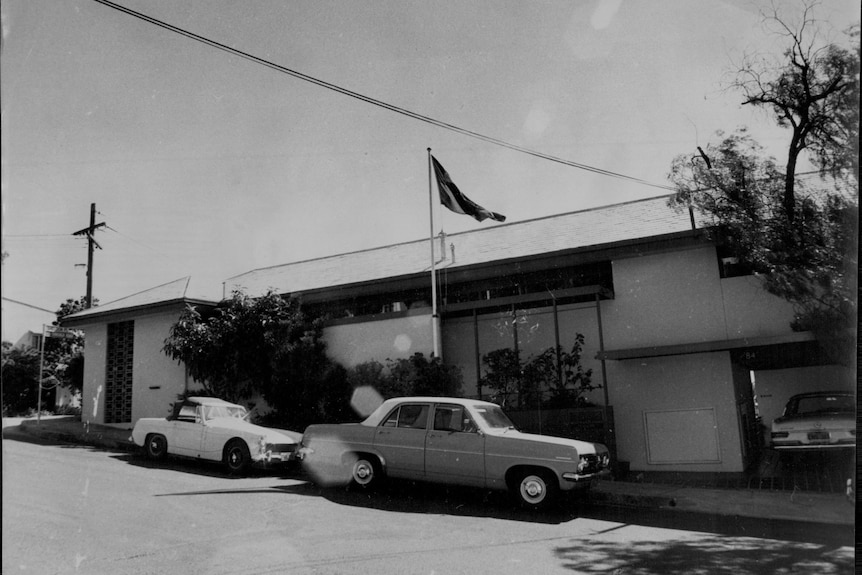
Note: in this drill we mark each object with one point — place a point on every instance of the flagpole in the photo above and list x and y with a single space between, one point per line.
433 264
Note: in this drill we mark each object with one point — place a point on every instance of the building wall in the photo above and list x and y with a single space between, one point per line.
676 413
353 343
678 297
750 311
157 379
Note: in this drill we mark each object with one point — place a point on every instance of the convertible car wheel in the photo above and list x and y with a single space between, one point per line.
536 489
157 446
237 457
364 473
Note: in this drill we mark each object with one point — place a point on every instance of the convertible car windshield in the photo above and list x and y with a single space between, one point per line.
494 417
215 411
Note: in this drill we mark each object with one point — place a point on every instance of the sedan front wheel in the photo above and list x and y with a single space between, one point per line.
536 489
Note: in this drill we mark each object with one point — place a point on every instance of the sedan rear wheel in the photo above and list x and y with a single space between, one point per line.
156 446
237 456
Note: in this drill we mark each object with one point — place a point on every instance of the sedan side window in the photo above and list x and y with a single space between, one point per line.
413 416
408 416
453 418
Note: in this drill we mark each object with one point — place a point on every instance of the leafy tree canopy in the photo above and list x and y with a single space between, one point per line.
801 238
266 346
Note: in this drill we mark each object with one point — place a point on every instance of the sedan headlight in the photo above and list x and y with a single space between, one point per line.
261 444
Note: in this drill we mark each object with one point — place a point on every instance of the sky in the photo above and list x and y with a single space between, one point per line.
205 164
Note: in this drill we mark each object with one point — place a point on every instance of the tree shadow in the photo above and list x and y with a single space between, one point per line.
702 554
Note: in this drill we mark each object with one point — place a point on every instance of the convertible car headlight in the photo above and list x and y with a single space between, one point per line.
261 444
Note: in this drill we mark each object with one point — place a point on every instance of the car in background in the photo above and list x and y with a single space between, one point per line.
454 441
215 430
816 420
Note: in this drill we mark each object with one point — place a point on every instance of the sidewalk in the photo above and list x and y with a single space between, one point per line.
802 506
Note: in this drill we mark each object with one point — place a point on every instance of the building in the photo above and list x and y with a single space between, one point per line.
674 331
126 374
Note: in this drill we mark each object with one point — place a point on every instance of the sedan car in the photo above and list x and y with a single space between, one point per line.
818 420
455 441
215 430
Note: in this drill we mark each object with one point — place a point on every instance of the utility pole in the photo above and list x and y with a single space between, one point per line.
91 242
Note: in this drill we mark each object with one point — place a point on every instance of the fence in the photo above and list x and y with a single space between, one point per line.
595 424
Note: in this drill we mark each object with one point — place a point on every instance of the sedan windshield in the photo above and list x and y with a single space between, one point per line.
494 417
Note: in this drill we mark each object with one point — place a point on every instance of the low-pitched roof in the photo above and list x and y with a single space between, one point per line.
592 227
166 294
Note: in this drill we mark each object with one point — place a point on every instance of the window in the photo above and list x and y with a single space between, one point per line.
452 418
408 416
118 372
729 265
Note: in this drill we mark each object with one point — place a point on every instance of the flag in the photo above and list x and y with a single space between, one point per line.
452 198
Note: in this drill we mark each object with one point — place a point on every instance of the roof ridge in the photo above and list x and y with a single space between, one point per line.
187 278
476 231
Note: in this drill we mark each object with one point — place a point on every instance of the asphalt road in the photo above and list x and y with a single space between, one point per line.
70 509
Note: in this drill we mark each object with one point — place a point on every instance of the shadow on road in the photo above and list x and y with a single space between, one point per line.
418 497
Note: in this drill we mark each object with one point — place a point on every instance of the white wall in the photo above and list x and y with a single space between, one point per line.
352 343
681 388
157 379
678 297
664 299
751 311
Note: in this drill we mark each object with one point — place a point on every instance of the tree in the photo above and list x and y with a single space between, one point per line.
264 345
415 375
418 375
561 373
64 357
503 374
20 379
799 239
812 89
62 364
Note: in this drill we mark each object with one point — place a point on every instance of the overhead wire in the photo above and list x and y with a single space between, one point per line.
374 101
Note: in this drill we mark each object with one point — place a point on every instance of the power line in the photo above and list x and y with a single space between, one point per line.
373 101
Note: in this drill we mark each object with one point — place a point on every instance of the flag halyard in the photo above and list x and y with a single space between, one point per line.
452 198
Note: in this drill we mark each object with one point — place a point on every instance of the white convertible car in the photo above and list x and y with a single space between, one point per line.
215 430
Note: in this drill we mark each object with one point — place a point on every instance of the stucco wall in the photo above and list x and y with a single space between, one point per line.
650 394
750 311
353 343
157 380
678 297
